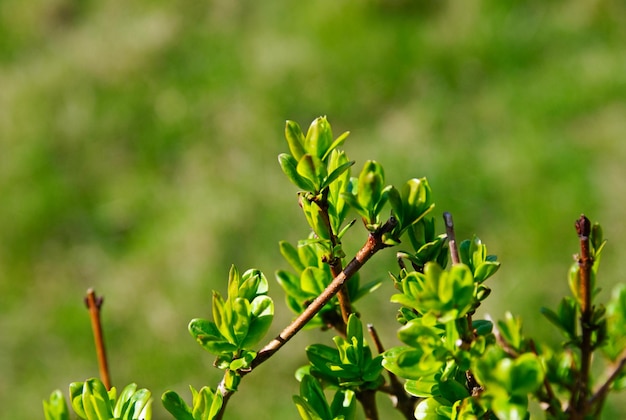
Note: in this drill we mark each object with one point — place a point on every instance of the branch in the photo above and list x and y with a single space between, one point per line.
336 267
94 304
403 402
601 393
374 244
454 251
585 263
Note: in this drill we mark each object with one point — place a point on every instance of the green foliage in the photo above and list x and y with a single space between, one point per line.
312 404
205 405
350 365
239 322
453 365
312 276
90 400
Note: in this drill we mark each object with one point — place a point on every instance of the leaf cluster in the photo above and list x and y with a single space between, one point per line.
90 400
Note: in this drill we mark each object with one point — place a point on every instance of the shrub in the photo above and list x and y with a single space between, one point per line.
450 365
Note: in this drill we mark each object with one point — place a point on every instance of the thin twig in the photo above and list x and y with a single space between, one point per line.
335 265
600 394
585 263
454 251
94 305
403 402
553 403
374 244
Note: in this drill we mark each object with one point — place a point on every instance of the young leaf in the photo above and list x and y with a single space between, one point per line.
176 406
319 138
290 253
209 337
313 170
55 407
295 139
289 166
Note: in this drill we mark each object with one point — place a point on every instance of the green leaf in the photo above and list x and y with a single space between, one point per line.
252 284
290 253
290 167
223 317
314 280
313 169
306 411
291 285
423 387
336 173
312 393
233 282
429 409
511 331
486 270
240 320
295 139
209 337
343 405
123 402
371 184
452 390
76 399
416 200
315 217
96 400
55 407
262 314
413 363
482 326
336 143
176 406
134 404
216 404
319 138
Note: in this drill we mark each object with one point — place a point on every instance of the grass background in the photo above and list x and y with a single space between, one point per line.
138 144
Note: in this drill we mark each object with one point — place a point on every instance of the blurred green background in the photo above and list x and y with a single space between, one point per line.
138 156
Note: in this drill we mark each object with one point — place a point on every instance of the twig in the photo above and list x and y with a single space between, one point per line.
600 394
553 403
374 244
335 265
454 251
585 263
403 402
94 304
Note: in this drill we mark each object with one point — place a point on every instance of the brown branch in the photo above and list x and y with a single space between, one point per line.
94 304
454 251
367 398
335 265
585 264
373 244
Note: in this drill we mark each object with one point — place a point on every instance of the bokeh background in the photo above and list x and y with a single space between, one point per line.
138 144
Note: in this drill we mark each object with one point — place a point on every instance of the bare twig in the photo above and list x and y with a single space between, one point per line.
94 304
454 251
601 393
580 397
403 402
553 404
